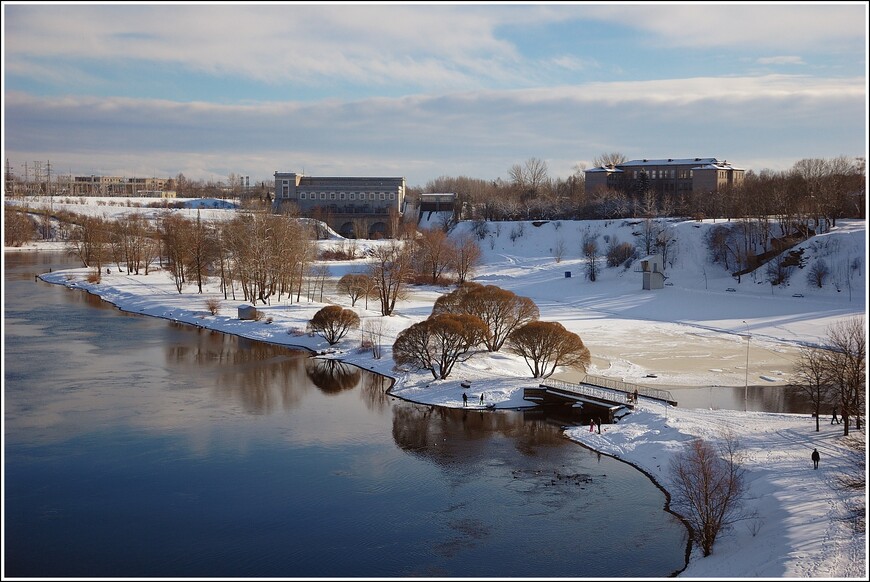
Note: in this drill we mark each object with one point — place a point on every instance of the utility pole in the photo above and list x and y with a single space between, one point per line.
746 384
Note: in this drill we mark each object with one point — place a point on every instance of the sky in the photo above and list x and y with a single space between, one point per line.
693 333
423 90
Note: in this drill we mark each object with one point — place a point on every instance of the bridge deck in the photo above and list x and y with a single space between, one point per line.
595 391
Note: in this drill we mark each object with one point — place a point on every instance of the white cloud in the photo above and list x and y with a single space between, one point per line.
447 47
783 60
750 26
480 133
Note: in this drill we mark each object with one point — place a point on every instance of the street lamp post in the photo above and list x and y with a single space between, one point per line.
746 383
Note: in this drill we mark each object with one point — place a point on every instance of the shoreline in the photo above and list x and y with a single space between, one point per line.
645 441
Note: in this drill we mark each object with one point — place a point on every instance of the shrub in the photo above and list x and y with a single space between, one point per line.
213 304
333 322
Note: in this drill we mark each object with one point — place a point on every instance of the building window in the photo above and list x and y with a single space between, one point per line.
341 196
332 195
286 191
392 195
372 196
323 195
353 195
383 196
302 196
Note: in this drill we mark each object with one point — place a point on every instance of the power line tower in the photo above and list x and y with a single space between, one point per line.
9 180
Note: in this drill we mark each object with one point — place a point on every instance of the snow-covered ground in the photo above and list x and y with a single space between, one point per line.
693 332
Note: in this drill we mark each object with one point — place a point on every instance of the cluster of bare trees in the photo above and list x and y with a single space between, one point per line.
834 374
263 255
18 228
817 190
474 315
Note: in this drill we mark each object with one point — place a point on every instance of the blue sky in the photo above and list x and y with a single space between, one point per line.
426 90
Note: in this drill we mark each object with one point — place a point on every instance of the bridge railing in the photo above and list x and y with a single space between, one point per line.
590 383
586 390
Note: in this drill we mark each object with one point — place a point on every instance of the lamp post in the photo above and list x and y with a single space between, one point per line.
746 383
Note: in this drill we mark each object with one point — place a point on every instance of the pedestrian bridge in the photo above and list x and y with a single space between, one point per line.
595 395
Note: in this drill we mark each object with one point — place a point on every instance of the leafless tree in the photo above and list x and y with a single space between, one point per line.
846 365
546 345
18 228
438 342
818 273
353 285
811 375
501 310
559 248
174 232
89 241
372 334
333 322
708 488
590 251
435 253
466 257
390 270
202 251
609 159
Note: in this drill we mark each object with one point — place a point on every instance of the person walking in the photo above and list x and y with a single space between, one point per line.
816 458
591 425
481 398
464 399
834 417
599 425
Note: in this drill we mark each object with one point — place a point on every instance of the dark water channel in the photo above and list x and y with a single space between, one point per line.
137 447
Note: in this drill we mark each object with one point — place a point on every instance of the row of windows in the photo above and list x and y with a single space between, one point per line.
350 195
665 174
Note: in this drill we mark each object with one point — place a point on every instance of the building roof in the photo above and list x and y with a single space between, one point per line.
695 163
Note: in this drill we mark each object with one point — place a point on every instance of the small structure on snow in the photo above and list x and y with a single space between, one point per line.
248 312
653 272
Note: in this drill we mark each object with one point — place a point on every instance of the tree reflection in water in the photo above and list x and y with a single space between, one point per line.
332 376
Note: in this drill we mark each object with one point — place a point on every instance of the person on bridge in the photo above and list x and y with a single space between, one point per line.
816 458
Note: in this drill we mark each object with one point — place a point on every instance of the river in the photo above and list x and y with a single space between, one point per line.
139 447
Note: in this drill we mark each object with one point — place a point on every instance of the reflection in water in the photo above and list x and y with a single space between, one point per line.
433 432
332 376
156 449
262 377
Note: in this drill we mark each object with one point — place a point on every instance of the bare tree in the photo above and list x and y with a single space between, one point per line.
467 257
811 375
390 270
546 345
709 486
372 332
590 251
846 365
609 159
559 248
18 228
434 254
501 310
818 273
353 285
333 322
437 343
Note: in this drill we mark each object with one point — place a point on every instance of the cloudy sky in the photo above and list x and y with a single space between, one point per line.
427 90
